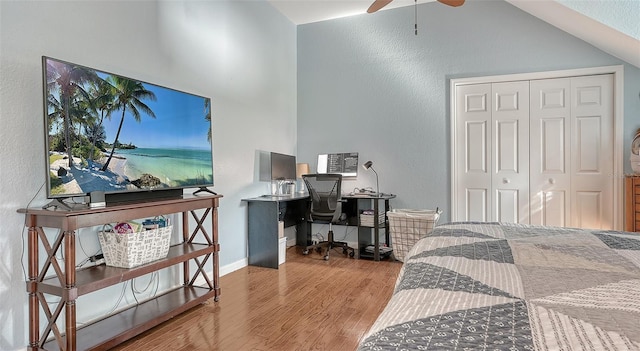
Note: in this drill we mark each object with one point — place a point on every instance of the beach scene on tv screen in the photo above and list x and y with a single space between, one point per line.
110 133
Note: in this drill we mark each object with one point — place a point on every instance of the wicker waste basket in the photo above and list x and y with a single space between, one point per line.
134 249
408 226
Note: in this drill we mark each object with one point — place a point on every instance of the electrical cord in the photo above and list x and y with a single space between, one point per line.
124 289
319 237
82 202
82 263
88 257
154 278
347 230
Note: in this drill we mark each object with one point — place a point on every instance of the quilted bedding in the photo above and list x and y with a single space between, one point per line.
497 286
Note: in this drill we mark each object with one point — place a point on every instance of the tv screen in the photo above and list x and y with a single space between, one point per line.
112 134
283 167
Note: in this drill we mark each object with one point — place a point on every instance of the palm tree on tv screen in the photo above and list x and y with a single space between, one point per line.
69 79
56 111
207 116
84 114
128 95
103 101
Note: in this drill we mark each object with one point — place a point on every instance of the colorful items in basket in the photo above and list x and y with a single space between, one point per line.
155 223
124 228
134 227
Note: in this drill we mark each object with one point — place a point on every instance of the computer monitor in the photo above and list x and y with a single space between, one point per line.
283 167
345 163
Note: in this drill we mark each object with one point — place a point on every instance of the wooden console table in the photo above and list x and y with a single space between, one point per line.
69 283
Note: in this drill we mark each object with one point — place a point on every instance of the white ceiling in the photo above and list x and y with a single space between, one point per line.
309 11
625 46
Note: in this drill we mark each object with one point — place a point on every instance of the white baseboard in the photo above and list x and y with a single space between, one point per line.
224 270
232 267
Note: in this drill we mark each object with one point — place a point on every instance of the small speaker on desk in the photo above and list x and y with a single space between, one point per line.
96 199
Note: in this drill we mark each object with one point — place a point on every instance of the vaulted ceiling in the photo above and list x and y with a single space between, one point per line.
611 26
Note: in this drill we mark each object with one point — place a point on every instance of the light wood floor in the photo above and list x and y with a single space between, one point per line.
307 304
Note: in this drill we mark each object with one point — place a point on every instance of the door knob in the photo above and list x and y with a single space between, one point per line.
506 181
552 181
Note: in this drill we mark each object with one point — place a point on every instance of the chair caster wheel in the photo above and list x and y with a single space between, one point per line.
326 257
352 254
305 252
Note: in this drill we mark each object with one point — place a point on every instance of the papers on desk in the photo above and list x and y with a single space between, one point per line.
367 218
365 193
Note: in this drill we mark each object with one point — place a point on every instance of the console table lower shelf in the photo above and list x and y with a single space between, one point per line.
113 330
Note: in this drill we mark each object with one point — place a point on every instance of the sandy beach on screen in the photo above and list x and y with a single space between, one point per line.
80 179
117 165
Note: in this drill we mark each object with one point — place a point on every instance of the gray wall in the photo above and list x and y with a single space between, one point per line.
241 54
368 84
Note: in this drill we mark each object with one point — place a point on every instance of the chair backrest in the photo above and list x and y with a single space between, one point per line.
326 196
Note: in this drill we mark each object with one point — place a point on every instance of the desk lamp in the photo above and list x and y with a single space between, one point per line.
369 165
302 169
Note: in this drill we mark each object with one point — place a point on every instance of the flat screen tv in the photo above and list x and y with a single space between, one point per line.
123 137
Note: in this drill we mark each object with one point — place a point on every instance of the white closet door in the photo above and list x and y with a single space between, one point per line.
550 179
572 152
510 152
472 152
548 155
592 160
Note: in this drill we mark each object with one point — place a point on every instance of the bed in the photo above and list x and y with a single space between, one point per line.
497 286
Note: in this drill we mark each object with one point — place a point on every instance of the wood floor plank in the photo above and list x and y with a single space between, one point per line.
307 304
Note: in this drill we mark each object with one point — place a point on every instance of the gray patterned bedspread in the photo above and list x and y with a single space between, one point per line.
491 286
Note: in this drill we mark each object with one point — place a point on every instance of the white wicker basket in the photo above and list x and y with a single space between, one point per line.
408 226
134 249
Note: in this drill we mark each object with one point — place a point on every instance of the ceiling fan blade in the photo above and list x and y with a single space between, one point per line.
377 5
454 3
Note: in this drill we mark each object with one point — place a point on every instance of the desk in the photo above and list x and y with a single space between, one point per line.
354 205
264 213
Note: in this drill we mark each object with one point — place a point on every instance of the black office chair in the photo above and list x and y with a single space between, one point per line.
326 207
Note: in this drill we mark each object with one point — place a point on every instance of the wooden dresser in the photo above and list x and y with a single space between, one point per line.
632 203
